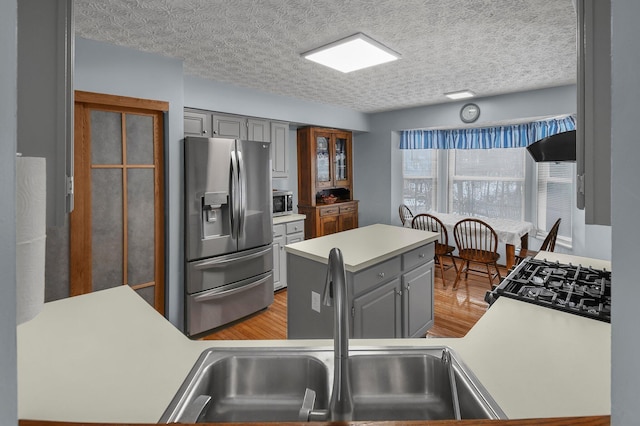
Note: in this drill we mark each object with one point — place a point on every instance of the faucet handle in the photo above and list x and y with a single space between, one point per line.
308 402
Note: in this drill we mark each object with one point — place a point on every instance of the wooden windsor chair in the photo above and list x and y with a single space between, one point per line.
405 214
549 244
477 242
428 222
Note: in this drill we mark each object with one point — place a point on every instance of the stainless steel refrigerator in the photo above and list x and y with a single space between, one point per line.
228 232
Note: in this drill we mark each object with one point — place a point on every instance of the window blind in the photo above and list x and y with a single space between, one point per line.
555 192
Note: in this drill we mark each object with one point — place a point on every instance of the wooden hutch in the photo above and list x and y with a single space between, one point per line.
325 181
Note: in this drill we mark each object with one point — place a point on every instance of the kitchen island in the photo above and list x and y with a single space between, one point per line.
389 283
109 357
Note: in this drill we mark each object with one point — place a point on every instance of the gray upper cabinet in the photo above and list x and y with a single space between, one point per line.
279 144
258 130
197 124
593 124
212 124
229 126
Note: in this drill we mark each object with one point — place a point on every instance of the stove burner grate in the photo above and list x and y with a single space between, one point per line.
576 289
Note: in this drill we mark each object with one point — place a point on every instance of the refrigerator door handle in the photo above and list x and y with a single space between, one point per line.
218 295
235 210
242 183
215 263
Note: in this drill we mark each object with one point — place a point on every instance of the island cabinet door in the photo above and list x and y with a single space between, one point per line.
417 294
377 314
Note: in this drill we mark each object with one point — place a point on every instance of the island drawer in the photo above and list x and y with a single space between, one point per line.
377 274
418 256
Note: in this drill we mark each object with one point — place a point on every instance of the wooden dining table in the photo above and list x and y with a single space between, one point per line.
510 232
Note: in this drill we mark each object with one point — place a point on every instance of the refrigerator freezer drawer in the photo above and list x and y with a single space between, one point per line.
210 309
215 272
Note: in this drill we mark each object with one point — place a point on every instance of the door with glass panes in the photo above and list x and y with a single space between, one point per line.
117 226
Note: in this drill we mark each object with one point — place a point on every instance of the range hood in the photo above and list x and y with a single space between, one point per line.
558 147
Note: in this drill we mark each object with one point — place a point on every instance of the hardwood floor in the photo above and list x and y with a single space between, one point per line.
455 312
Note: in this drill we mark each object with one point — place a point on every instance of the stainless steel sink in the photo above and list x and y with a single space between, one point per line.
276 384
416 385
246 386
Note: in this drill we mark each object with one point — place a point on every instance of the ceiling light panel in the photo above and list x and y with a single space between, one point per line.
461 94
352 53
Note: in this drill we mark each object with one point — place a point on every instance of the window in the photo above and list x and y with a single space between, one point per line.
487 182
555 194
419 171
491 183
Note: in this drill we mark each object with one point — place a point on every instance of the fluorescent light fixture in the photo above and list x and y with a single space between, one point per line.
461 94
352 53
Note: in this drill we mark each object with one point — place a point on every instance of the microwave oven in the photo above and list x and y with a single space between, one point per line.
282 203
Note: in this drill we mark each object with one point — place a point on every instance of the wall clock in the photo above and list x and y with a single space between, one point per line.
469 113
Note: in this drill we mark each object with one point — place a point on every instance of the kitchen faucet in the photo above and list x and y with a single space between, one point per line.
335 294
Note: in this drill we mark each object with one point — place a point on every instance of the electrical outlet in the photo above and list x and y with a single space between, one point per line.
315 301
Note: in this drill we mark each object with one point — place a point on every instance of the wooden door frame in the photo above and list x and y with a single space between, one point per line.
80 270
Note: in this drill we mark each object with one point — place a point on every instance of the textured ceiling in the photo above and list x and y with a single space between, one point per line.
489 46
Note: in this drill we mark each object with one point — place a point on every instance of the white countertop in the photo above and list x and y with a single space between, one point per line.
288 218
109 357
363 247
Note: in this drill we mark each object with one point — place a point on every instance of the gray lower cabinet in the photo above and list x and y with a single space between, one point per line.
400 308
283 234
279 257
378 313
417 292
393 298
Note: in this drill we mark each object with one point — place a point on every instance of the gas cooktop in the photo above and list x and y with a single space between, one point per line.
579 290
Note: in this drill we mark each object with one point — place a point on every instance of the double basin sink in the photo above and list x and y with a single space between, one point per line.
286 384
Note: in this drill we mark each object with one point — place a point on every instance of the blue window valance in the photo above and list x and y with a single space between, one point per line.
511 136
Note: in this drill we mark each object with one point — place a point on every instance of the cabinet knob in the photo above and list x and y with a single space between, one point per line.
421 255
281 247
380 274
399 292
204 132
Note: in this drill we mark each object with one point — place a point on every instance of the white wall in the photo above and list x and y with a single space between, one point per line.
378 159
105 68
8 143
625 203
